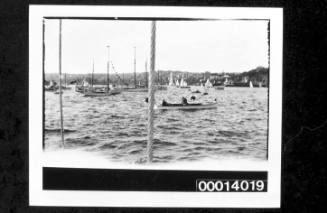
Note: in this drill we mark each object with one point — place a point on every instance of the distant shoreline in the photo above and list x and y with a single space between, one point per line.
259 75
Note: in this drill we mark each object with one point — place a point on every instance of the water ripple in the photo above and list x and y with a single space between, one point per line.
116 127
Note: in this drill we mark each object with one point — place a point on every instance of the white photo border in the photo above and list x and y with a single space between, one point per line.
269 199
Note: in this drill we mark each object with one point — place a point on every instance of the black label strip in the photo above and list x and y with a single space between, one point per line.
137 180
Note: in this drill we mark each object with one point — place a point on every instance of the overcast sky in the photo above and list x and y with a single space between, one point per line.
193 46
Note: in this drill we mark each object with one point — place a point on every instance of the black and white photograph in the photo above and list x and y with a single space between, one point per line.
132 93
207 105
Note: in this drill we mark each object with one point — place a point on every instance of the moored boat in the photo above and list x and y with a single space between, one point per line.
177 83
160 87
208 84
90 93
222 87
135 89
171 80
51 87
102 91
57 92
250 84
196 91
183 84
196 106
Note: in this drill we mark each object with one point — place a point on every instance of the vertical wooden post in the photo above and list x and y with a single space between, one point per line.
135 67
151 91
146 74
43 68
60 85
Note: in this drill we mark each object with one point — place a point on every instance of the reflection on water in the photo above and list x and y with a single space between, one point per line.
116 126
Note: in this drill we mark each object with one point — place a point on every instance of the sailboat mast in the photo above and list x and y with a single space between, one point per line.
146 74
60 89
43 65
123 78
135 67
65 80
108 67
92 74
151 91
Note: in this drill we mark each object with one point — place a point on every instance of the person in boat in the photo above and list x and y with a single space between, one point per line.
192 98
164 103
184 101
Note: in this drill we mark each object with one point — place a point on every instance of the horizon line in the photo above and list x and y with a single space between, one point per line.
164 71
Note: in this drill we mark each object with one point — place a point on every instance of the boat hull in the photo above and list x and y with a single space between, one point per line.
219 87
136 90
101 94
187 107
160 87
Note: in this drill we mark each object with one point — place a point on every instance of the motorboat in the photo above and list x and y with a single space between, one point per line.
191 106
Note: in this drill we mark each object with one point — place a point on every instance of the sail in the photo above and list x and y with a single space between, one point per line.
251 85
171 81
260 84
85 83
183 83
208 83
177 83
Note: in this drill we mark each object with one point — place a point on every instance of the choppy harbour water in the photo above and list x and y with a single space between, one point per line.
115 127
